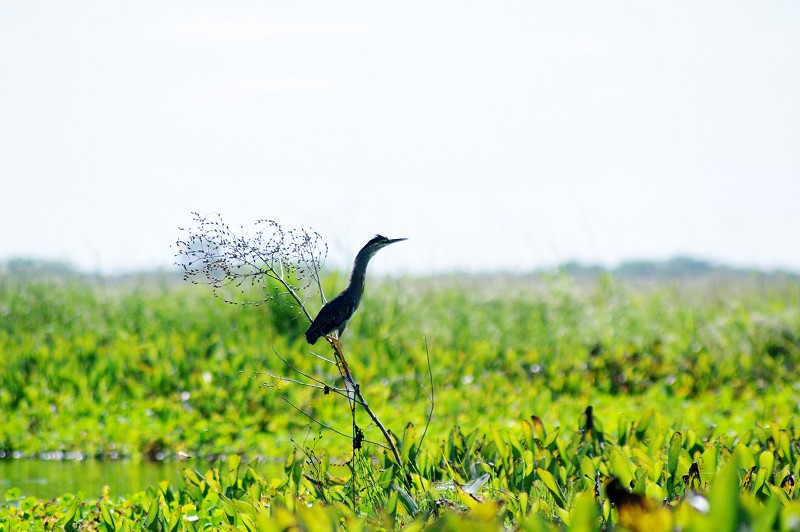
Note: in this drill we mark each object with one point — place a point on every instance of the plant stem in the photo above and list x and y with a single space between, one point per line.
344 369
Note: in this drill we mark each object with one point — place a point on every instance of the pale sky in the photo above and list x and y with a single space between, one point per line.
494 135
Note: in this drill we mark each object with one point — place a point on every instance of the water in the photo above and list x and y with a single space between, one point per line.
48 479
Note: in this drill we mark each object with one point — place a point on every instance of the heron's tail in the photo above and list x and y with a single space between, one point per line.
312 335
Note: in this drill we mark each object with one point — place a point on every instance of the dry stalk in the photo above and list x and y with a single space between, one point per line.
281 263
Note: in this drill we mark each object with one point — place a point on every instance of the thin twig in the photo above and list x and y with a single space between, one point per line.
431 396
312 418
357 394
341 391
328 360
321 385
228 258
296 370
325 426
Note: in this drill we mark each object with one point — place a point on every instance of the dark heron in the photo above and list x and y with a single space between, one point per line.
336 312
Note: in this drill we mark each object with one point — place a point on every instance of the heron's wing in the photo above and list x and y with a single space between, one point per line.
336 312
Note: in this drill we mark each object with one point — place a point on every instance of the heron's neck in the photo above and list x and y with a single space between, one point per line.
359 275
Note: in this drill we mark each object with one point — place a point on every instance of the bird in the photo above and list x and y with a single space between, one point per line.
336 312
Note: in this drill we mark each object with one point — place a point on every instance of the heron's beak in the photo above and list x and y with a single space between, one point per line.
393 240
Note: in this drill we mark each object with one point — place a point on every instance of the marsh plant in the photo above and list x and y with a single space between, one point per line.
283 266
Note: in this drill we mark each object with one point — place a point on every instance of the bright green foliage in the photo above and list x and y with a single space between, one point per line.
693 393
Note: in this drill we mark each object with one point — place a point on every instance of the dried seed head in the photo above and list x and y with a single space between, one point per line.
278 261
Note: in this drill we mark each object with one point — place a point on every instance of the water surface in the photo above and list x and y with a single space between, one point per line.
48 479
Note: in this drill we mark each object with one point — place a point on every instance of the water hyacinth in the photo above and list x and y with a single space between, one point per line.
150 367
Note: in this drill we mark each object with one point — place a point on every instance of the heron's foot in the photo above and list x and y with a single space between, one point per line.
334 340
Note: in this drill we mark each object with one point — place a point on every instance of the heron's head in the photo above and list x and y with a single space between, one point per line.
379 242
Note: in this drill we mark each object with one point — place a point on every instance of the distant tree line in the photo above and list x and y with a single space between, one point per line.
681 267
674 268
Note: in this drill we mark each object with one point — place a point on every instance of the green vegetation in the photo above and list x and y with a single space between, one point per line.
701 371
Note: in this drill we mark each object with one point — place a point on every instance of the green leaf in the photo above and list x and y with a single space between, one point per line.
654 491
409 443
673 453
585 514
552 437
151 521
174 519
502 448
744 458
527 433
453 475
761 478
28 503
228 506
587 468
621 467
725 511
552 486
108 519
767 461
193 476
538 428
68 521
644 424
769 518
406 499
124 525
456 446
294 465
233 469
784 445
474 487
622 429
248 523
391 504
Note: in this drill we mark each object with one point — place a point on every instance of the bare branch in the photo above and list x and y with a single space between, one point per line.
430 393
328 427
312 418
344 369
276 261
328 360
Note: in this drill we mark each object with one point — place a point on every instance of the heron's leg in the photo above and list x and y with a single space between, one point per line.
337 349
334 341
